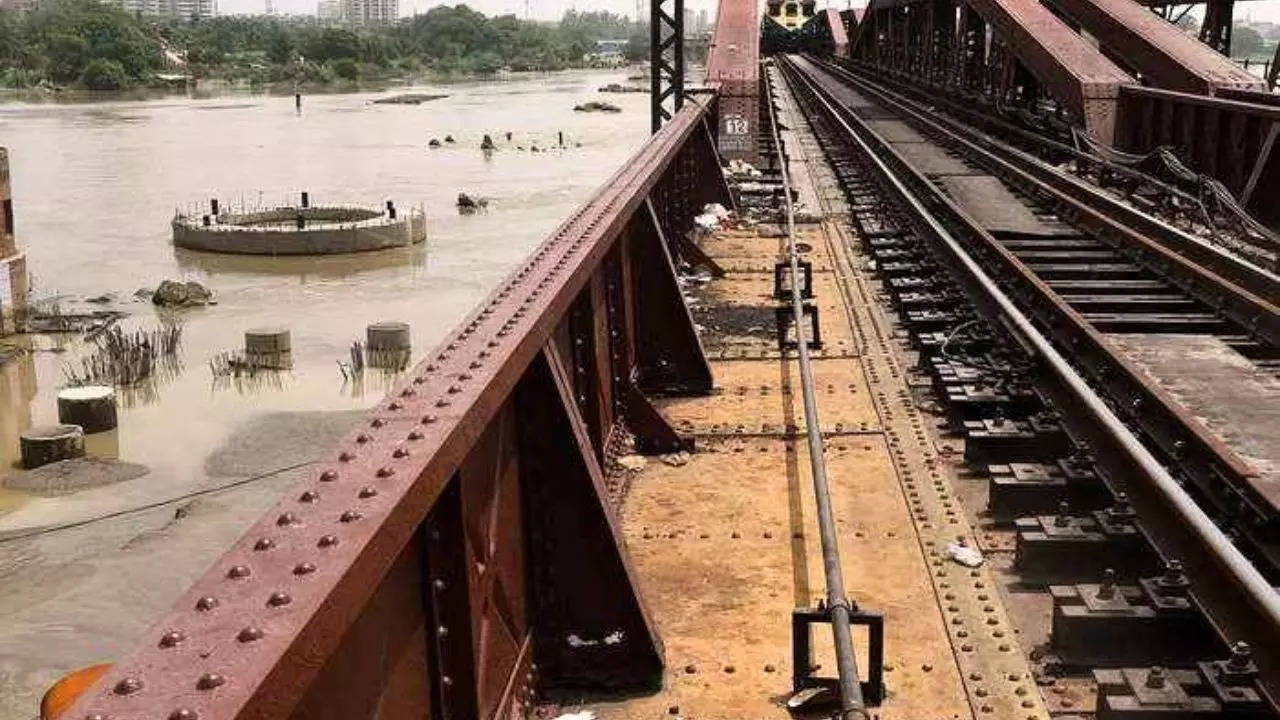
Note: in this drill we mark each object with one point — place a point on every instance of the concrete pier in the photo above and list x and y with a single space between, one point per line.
92 407
13 264
269 347
51 443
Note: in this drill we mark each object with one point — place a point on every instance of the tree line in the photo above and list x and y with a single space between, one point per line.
98 46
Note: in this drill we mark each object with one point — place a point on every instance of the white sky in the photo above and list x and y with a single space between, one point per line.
1261 10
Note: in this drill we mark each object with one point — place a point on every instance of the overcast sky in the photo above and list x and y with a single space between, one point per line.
1268 10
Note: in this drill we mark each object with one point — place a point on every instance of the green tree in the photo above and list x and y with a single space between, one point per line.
280 46
104 74
345 68
1245 41
68 56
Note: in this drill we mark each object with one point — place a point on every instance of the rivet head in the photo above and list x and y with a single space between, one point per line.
279 598
239 572
209 681
96 716
378 422
249 634
304 568
183 714
415 435
328 541
407 392
264 544
368 492
206 603
394 406
400 452
428 419
171 638
328 476
349 516
287 518
363 438
385 472
346 456
309 496
127 686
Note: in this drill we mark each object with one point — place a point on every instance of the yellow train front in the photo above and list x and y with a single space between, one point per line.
791 15
798 26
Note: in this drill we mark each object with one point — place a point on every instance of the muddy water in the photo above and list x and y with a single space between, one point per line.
95 185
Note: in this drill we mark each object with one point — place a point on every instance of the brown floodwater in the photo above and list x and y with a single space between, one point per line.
95 185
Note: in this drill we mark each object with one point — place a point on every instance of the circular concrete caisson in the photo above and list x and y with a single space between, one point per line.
51 443
92 407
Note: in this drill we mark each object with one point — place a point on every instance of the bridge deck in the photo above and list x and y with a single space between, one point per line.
725 546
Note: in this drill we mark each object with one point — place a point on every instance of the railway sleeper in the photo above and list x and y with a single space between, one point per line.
1039 438
1109 624
1206 690
1063 547
1020 489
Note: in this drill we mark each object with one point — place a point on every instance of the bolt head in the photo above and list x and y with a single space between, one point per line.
349 516
127 686
183 714
279 598
209 681
264 544
172 638
367 492
328 541
328 476
239 572
249 634
206 603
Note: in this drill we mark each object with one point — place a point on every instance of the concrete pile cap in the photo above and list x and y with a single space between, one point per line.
92 407
269 339
388 335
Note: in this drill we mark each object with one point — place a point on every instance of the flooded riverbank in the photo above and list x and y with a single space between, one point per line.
94 188
95 185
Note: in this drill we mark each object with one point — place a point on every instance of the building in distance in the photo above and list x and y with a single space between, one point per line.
370 12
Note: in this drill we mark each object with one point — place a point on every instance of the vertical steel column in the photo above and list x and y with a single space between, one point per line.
1215 31
666 60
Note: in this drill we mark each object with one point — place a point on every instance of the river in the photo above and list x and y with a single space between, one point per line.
94 188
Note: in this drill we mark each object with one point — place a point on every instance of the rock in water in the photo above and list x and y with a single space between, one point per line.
597 106
434 143
173 293
487 143
466 202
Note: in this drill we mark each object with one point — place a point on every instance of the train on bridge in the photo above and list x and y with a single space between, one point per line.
922 365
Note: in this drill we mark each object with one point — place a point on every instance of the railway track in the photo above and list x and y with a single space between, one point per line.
1052 329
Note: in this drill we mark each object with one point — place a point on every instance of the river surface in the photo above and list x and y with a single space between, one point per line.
95 186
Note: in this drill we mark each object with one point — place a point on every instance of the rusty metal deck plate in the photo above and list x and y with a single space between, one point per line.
1225 391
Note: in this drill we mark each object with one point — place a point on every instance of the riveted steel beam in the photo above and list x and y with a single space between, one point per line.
436 562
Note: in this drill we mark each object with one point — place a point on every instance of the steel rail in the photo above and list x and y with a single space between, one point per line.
1256 589
1252 289
1220 473
851 701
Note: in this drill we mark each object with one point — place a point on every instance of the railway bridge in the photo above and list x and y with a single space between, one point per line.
965 406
